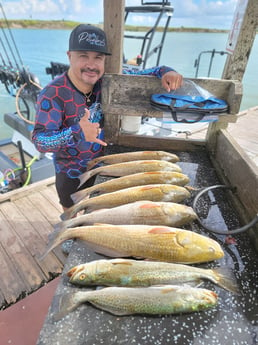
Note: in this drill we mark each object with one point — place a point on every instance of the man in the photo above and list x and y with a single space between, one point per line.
69 120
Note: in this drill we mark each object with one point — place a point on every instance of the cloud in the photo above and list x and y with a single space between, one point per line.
187 13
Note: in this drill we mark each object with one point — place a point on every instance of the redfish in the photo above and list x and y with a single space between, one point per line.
131 273
153 300
128 168
139 179
138 212
160 243
134 156
154 192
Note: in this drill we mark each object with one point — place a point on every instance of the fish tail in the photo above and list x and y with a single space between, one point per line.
65 304
81 194
85 176
226 279
54 239
69 213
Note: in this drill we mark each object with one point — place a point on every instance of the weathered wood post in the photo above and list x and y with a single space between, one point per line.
114 28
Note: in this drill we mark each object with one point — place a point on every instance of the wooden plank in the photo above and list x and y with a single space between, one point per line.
235 168
27 190
11 283
48 210
156 143
236 63
22 260
35 235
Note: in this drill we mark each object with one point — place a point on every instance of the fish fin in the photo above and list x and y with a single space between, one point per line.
192 189
226 279
64 304
161 230
121 262
106 251
111 310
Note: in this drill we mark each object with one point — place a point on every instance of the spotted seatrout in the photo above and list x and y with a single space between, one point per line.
139 179
130 273
153 192
134 156
128 168
138 212
161 243
153 300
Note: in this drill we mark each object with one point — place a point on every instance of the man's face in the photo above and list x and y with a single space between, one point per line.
87 67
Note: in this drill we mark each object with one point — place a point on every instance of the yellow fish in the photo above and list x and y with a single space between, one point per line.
130 273
153 300
153 192
161 243
128 168
138 212
134 156
139 179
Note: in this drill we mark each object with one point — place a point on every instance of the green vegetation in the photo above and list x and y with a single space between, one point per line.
64 24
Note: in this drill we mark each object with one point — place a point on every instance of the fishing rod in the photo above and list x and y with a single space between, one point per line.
17 79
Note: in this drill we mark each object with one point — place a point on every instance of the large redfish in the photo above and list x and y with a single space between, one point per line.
138 212
153 300
134 156
128 168
131 273
139 179
153 192
160 243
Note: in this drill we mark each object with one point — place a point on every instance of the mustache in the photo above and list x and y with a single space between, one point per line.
90 70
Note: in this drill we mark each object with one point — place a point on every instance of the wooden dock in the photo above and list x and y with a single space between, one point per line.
27 216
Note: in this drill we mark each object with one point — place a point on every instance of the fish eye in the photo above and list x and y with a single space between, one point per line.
82 276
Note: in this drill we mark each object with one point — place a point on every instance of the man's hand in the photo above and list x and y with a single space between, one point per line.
171 80
90 130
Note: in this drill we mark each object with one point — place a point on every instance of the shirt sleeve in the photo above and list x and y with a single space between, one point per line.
49 134
158 71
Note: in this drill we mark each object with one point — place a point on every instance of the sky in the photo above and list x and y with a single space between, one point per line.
213 14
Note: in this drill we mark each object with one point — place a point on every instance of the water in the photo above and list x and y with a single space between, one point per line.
38 47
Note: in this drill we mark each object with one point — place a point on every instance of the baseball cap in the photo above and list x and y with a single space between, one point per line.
88 38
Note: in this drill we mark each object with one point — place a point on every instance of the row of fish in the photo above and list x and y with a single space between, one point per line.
144 287
138 215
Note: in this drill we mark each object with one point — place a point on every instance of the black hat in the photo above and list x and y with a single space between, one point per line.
88 38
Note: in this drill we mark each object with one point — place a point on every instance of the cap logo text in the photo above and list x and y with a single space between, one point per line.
92 39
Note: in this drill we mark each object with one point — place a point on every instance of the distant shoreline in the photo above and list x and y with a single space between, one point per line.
68 25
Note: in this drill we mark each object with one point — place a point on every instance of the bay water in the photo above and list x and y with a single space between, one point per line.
38 47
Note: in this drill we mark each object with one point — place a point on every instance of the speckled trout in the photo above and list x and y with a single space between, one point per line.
159 243
130 273
153 300
128 168
154 192
139 179
138 212
134 156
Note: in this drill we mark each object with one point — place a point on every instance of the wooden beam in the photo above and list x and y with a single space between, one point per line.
114 28
235 65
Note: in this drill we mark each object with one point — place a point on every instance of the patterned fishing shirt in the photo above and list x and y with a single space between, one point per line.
60 106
